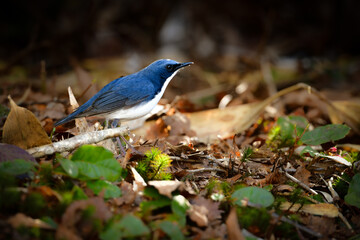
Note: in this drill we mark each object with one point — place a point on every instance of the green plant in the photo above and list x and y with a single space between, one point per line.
286 130
155 165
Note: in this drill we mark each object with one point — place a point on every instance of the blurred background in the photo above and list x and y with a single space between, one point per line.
47 44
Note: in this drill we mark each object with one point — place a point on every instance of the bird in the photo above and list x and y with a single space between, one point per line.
129 97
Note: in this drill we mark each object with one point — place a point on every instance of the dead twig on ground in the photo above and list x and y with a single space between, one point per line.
74 142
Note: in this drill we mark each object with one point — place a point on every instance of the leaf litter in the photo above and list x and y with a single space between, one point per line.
235 172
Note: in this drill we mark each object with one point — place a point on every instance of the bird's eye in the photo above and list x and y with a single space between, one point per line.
169 67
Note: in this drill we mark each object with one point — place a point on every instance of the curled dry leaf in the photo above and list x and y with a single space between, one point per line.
23 129
139 182
166 187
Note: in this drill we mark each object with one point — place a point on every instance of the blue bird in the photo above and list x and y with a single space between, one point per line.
130 97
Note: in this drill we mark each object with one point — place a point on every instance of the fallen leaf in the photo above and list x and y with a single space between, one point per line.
345 112
81 123
23 129
213 207
233 228
198 214
166 187
321 209
128 194
139 182
21 219
11 152
302 174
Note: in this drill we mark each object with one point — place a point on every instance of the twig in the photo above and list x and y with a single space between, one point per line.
301 184
74 142
205 170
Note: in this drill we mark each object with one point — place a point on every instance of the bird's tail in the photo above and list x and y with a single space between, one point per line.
66 119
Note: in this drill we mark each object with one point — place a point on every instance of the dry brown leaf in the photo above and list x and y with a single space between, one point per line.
213 207
21 219
233 228
128 194
345 112
210 124
321 209
23 129
302 174
166 187
198 214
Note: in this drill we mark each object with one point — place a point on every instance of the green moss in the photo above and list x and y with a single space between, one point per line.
155 165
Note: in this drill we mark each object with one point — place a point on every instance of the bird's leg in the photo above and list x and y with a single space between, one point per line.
115 124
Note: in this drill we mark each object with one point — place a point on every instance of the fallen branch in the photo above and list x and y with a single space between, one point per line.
74 142
301 184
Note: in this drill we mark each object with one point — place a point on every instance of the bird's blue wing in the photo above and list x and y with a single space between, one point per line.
115 96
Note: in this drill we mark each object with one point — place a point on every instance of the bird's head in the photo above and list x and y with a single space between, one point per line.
164 68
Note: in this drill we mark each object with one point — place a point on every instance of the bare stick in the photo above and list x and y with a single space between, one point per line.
205 170
74 142
301 184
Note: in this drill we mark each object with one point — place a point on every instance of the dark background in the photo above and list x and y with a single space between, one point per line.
203 31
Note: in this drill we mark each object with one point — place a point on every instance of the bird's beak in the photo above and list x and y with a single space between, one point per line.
181 65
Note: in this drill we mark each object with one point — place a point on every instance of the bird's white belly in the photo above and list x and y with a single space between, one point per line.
136 111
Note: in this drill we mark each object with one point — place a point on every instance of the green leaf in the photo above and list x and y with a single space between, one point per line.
353 195
254 195
89 153
16 167
172 230
94 163
133 226
111 191
324 134
69 167
108 169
